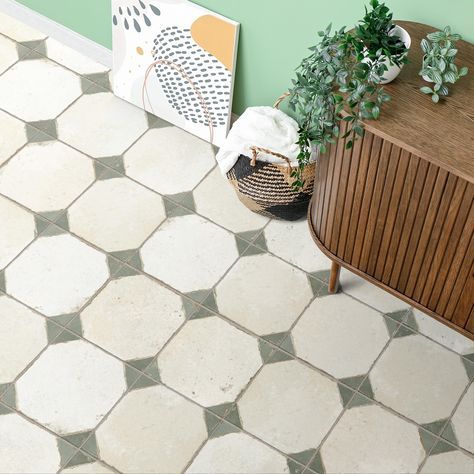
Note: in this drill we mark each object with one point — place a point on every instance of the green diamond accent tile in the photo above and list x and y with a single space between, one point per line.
241 245
266 351
102 172
436 426
78 439
212 421
403 331
249 235
114 265
223 429
287 345
366 388
85 85
124 255
322 275
32 55
427 439
131 375
63 319
449 434
320 288
2 281
99 78
353 382
4 410
65 336
53 230
76 326
468 365
276 338
411 321
156 122
229 411
210 302
124 271
143 382
187 200
399 316
201 313
46 126
198 295
114 162
78 459
317 464
135 260
8 397
345 393
252 250
92 88
63 221
41 224
36 45
153 371
442 447
53 216
278 356
294 467
22 51
3 387
261 242
469 357
66 451
90 446
52 331
359 400
189 307
234 416
34 135
391 325
173 210
303 457
140 364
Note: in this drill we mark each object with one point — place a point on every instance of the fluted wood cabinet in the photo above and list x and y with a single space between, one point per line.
398 208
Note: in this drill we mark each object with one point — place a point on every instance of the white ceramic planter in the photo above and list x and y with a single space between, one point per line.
392 69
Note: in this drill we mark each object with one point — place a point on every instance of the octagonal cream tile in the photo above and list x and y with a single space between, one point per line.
443 334
108 125
419 378
70 387
216 199
116 214
56 275
38 89
292 242
132 317
169 160
22 337
263 294
72 59
340 335
238 453
46 176
16 232
370 294
369 439
290 406
463 421
189 253
13 136
152 430
26 448
8 54
449 463
209 361
18 30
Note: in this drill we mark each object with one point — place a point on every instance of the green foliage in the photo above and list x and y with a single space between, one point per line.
438 62
340 81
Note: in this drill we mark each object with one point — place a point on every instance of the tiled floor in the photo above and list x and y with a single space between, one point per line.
151 324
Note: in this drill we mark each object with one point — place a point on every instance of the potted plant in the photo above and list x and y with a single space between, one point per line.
341 81
439 66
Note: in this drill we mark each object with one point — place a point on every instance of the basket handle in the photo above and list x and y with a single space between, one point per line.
256 149
280 99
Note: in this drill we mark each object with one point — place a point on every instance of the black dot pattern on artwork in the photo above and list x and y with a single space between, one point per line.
137 14
209 75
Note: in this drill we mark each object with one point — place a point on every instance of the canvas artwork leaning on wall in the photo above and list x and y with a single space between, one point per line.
176 60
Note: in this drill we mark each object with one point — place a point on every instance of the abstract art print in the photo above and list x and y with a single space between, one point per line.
176 60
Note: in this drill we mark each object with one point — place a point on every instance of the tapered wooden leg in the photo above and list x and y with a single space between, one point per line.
334 277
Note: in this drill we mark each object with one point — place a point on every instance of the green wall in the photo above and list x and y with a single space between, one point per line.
275 34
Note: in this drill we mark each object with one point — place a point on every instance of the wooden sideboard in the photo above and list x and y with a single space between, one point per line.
398 208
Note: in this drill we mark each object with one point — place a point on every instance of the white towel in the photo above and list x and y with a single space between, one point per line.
265 127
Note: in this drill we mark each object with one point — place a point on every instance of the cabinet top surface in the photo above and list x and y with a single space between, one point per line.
441 133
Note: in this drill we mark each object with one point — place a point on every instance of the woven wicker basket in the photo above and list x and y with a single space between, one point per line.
266 188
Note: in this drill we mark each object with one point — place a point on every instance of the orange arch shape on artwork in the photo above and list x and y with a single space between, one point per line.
217 37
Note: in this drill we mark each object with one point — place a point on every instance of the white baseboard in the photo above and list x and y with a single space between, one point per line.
57 31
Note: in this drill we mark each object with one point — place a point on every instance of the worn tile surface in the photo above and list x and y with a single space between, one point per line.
150 323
